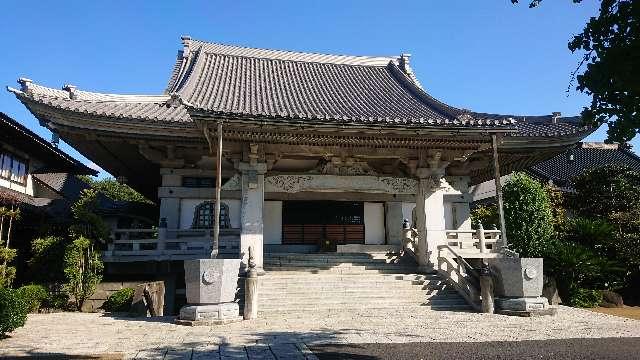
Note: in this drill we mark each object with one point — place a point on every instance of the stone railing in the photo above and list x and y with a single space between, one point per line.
169 244
478 243
460 274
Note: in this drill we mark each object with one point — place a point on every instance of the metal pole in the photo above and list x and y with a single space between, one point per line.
216 226
498 183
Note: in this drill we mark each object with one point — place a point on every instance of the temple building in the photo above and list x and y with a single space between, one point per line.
320 153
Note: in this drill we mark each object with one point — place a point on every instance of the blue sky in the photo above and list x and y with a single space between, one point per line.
487 56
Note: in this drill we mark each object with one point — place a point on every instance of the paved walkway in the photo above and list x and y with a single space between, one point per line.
289 337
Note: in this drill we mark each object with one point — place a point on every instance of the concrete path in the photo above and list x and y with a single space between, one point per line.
289 337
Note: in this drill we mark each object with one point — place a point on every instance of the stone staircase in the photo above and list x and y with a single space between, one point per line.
329 284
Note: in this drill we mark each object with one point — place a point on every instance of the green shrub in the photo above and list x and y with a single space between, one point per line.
119 301
584 298
487 215
528 217
33 296
56 300
46 265
13 311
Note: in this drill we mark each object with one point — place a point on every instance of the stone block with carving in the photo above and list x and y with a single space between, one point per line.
517 277
211 281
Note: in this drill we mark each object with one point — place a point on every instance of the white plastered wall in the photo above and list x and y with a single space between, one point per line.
374 223
272 217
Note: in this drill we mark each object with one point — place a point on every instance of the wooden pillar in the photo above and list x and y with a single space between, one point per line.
498 184
216 226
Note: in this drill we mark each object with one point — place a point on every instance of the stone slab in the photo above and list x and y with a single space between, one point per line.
211 281
215 312
523 304
531 313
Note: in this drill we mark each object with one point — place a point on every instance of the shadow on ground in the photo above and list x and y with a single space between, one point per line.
569 349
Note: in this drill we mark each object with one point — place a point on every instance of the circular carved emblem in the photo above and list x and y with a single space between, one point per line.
530 273
210 277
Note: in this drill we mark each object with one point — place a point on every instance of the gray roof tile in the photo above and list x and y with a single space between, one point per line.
246 83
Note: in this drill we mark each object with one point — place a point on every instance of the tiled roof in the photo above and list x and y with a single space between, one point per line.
244 82
226 81
564 167
139 107
19 136
65 184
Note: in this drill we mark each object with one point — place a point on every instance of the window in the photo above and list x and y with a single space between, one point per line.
203 216
12 168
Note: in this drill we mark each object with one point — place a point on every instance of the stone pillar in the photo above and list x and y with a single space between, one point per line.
429 216
170 210
251 223
393 222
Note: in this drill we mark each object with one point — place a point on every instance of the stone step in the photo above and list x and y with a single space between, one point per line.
337 314
347 300
342 288
343 270
390 308
360 277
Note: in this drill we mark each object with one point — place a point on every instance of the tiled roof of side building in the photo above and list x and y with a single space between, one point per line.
18 135
573 162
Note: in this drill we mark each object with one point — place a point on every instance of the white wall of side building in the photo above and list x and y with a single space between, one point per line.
374 233
272 217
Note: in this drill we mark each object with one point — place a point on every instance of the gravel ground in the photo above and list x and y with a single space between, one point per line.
566 349
68 334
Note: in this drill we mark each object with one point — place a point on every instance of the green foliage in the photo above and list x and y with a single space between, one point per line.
86 222
13 311
119 301
584 298
56 300
114 190
607 191
577 266
83 269
33 296
7 273
46 265
610 53
487 215
528 218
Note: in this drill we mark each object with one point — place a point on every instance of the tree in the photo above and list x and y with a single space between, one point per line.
83 269
610 44
612 194
9 212
528 217
115 190
82 264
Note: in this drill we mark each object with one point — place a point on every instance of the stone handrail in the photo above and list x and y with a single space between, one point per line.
460 274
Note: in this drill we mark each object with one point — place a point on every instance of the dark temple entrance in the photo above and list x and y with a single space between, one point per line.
323 223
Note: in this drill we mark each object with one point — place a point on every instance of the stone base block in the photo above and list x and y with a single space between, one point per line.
531 313
522 304
215 312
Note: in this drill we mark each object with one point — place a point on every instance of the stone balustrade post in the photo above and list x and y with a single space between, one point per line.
251 290
486 289
481 239
162 234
